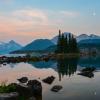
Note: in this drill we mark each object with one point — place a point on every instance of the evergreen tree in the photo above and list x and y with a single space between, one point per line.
66 44
58 43
70 44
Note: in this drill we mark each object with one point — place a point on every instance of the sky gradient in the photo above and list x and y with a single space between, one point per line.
27 20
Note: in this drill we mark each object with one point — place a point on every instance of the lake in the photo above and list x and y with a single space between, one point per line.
75 87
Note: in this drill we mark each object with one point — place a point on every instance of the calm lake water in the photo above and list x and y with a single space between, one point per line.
75 87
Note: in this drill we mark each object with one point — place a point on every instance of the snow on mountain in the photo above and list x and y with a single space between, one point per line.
85 37
79 38
6 48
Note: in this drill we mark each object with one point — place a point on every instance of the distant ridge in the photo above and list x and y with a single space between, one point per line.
79 38
39 44
6 48
85 37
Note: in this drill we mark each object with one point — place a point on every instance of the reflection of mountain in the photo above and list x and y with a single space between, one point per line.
43 64
67 67
89 62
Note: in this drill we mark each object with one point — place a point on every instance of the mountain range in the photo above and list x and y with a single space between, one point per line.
87 37
78 38
48 45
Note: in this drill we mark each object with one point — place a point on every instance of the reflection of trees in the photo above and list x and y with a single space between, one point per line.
67 66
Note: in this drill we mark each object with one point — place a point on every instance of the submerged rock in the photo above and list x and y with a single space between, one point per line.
32 98
23 80
87 74
49 80
56 88
9 96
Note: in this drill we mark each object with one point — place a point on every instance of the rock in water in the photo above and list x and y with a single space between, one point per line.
49 80
87 74
35 86
56 88
23 90
23 80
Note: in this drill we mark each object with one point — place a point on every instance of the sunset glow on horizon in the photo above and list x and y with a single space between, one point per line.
27 20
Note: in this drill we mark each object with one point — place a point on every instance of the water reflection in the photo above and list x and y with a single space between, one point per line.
89 62
43 64
67 66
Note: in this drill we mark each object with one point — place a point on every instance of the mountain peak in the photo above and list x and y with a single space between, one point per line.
12 41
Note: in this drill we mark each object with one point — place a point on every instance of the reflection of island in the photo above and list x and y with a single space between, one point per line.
66 66
89 62
43 64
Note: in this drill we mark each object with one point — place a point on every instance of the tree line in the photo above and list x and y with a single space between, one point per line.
66 43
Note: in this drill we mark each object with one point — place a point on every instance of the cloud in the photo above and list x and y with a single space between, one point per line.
32 23
34 15
6 1
69 13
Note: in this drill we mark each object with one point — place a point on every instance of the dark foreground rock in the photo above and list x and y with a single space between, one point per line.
23 80
9 96
56 88
49 80
23 90
35 87
87 74
30 91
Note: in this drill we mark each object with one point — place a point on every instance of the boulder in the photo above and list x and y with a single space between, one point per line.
56 88
35 86
49 80
23 90
87 74
23 80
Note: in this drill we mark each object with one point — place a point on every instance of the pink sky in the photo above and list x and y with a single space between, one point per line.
25 24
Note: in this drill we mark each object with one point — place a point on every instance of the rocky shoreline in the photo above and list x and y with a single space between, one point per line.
28 89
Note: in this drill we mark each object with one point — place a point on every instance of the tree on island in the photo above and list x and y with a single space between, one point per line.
66 44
